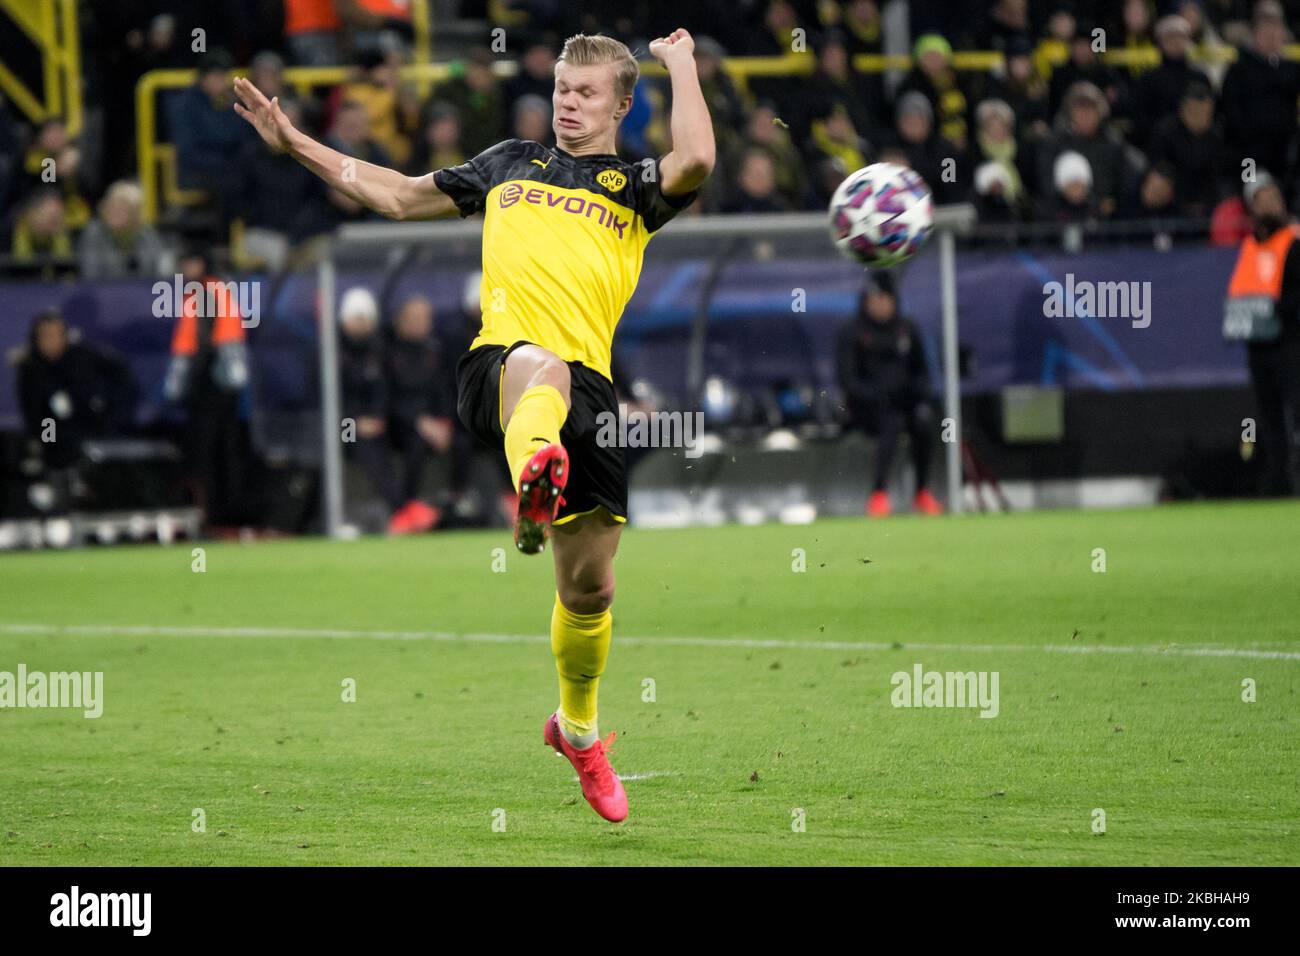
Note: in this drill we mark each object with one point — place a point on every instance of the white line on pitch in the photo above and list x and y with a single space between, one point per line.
1173 650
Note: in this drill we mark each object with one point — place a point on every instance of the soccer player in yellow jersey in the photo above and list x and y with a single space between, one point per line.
564 232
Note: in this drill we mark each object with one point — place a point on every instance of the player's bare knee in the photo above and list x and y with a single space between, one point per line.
583 598
552 371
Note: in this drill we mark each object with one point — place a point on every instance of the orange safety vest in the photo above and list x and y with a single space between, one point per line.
1260 265
226 324
388 9
309 16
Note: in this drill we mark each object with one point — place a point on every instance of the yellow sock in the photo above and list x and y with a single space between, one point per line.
536 421
580 643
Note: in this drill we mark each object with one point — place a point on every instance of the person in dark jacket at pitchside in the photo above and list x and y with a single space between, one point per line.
70 391
421 408
1259 95
882 371
363 392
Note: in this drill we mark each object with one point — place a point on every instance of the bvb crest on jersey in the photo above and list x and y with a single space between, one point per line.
612 180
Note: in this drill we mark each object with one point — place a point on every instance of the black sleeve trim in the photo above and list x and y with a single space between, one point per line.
466 200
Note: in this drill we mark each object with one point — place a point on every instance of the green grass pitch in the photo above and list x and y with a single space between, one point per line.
1119 691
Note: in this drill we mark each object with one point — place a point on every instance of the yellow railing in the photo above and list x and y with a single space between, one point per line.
51 26
155 162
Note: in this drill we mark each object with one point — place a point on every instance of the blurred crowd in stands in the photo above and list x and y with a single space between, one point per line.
1053 133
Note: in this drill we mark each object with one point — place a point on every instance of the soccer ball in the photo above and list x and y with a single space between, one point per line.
881 215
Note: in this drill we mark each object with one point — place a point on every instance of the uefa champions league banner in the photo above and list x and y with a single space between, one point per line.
1112 319
1124 318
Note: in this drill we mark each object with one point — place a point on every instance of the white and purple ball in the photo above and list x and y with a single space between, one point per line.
881 215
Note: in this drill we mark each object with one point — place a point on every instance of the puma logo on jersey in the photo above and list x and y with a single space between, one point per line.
540 163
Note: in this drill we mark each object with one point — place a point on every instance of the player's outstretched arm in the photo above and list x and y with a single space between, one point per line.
386 191
689 163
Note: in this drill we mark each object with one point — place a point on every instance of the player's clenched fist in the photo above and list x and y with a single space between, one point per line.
264 115
678 45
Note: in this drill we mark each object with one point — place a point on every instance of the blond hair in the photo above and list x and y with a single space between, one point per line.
583 50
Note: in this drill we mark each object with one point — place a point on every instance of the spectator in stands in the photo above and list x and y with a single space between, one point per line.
72 184
1085 65
837 149
1229 222
41 234
159 49
1025 91
207 131
928 152
536 75
881 368
1191 146
54 159
725 107
530 119
935 78
1207 39
478 100
764 131
313 32
422 405
1007 22
40 166
207 376
862 27
996 145
1160 91
1082 128
992 186
1053 50
267 73
1072 198
279 203
1265 291
835 82
69 391
1136 35
363 388
117 243
351 136
377 25
1157 197
379 91
127 43
439 146
755 188
776 37
1259 96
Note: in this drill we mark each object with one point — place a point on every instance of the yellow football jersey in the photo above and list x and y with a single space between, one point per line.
563 241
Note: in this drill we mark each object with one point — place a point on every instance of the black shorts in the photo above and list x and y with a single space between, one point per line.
598 473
